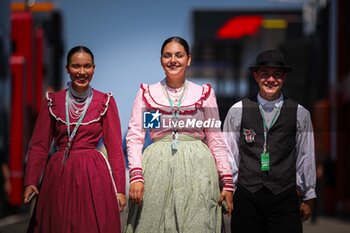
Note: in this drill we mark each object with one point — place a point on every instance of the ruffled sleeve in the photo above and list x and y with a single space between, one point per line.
55 109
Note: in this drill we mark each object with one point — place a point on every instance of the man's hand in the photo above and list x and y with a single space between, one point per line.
306 209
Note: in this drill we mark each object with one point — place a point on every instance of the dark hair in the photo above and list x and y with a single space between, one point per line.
179 40
79 48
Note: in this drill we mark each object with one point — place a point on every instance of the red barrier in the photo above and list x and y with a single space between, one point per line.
39 68
22 38
16 147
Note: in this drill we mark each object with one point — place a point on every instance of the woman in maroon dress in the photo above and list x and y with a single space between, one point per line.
81 190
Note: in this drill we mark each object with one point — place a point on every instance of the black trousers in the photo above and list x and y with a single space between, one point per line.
264 212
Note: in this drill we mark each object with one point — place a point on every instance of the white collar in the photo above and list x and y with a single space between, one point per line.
267 104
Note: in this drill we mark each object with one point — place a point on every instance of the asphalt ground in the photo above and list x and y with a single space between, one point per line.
18 224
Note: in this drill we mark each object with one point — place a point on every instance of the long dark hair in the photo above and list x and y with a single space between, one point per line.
79 48
179 40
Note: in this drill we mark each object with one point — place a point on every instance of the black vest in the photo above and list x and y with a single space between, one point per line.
280 145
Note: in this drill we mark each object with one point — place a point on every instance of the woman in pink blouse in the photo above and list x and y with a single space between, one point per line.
80 190
174 183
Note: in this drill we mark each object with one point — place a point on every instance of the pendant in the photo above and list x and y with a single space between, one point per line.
174 143
66 153
65 156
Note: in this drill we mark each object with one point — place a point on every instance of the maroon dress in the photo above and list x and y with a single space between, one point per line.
78 195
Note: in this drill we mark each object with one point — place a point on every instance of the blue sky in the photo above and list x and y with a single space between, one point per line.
126 36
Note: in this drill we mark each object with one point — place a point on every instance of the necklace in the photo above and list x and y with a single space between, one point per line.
77 102
70 134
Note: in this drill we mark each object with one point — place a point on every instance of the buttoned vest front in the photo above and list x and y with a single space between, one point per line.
280 145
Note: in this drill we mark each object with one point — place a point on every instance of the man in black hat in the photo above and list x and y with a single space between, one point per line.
271 149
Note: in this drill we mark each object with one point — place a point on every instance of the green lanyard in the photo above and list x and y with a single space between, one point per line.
71 136
266 129
265 157
175 113
175 116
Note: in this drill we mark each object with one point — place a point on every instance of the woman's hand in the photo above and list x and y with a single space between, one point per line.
29 192
227 196
5 171
136 192
121 201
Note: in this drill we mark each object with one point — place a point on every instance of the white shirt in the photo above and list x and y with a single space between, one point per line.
305 151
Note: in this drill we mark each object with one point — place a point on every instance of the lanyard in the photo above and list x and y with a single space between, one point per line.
266 128
71 136
175 116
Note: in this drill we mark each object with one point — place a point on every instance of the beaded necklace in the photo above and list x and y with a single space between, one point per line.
77 102
87 96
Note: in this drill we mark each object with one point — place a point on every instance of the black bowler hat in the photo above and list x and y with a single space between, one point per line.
270 58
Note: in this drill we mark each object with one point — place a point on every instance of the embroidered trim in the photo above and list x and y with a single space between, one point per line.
74 123
228 188
137 180
136 175
151 103
227 181
110 172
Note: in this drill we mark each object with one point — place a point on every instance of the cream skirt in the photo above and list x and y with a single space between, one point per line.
181 190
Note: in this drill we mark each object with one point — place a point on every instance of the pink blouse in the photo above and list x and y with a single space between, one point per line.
198 113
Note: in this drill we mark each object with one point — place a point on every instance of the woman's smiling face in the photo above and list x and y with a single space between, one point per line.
81 70
175 60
